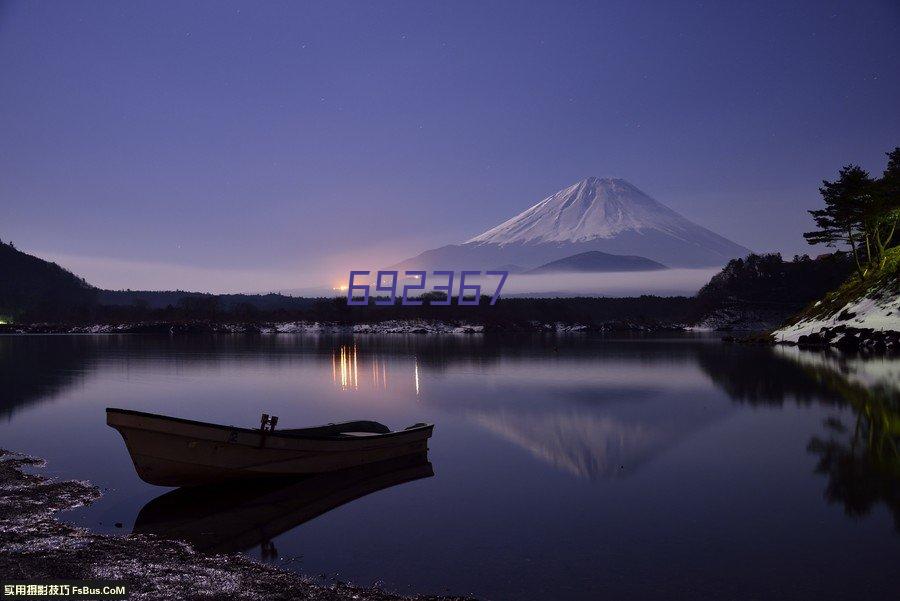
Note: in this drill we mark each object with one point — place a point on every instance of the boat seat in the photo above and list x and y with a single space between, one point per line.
357 428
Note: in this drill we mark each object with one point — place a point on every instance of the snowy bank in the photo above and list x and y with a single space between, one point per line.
859 315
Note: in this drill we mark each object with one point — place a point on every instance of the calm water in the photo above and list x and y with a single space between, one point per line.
564 468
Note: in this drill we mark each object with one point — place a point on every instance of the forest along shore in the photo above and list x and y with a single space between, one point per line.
392 326
35 545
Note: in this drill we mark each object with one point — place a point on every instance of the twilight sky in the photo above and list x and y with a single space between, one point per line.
258 146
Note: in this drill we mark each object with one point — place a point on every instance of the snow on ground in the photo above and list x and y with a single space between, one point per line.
880 312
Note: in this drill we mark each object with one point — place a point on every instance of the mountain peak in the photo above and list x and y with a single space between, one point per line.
593 180
591 208
601 182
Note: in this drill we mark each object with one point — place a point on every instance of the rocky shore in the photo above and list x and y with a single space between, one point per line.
852 339
35 545
862 315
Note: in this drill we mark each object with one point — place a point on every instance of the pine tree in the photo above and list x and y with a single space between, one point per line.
843 220
885 210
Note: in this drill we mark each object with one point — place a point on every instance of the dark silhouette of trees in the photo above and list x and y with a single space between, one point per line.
860 212
885 212
768 281
200 307
30 286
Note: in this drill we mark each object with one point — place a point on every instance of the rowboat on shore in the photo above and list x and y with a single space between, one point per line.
170 451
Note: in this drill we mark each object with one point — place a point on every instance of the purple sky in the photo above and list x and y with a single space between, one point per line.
248 145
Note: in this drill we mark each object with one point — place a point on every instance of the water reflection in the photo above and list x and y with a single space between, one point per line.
860 456
240 516
345 369
344 359
863 464
591 408
36 369
595 444
582 445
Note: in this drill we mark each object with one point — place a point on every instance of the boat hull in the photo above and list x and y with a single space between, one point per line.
174 452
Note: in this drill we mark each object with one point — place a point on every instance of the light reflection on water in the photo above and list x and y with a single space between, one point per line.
345 364
565 468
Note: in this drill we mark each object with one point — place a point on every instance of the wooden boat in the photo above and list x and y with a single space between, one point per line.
233 517
169 451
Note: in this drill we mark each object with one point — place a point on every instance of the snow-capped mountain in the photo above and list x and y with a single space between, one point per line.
592 208
595 214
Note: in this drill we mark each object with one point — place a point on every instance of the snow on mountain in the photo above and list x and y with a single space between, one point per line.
596 214
592 208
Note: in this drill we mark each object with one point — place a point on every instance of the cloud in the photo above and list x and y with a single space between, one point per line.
664 283
318 278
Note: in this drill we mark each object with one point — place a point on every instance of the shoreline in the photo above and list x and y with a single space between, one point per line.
842 339
392 326
35 545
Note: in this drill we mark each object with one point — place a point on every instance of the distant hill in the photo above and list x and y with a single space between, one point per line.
32 290
33 286
595 261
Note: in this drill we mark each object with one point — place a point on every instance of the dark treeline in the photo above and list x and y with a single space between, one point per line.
769 282
203 301
507 313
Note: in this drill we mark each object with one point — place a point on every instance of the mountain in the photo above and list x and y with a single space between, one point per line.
607 215
595 261
33 285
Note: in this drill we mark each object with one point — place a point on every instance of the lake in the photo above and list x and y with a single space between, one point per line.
562 467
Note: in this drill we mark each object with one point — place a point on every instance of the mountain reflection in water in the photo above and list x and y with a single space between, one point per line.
592 446
238 516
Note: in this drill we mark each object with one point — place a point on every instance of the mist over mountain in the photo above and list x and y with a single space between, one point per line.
596 214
